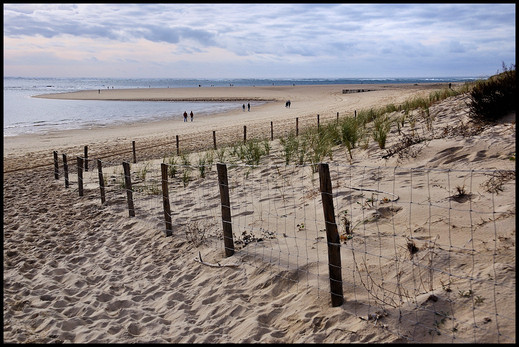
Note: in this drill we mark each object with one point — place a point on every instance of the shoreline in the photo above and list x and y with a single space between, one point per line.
256 93
307 101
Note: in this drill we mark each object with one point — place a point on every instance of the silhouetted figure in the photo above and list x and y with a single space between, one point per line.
185 116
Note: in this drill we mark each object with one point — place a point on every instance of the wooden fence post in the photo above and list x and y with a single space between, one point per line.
226 209
244 133
355 113
101 181
134 154
65 170
80 175
214 140
178 148
128 186
56 165
271 131
337 117
317 122
332 236
86 158
297 126
165 199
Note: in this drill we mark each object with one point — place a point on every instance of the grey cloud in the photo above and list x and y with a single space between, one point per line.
112 24
456 47
393 33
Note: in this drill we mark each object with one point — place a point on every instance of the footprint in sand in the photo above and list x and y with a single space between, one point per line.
135 329
128 226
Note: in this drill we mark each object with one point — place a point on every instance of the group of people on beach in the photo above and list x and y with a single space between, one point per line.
185 116
287 104
191 113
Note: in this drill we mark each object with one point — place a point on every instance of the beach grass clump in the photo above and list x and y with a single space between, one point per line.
494 98
312 146
234 150
366 116
202 165
332 132
427 118
290 146
442 94
221 154
205 162
302 153
252 152
351 132
209 158
390 108
119 180
184 158
424 102
143 171
172 166
266 147
400 122
381 127
320 144
186 176
415 103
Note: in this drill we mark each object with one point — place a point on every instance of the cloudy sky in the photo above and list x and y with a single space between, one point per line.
258 40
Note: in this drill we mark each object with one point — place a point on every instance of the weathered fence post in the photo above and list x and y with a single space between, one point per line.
332 236
226 209
86 158
244 134
134 154
80 175
178 148
128 186
337 117
317 122
101 181
165 199
56 165
297 126
271 131
214 140
355 113
65 170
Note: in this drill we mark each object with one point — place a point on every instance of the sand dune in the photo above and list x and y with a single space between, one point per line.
76 271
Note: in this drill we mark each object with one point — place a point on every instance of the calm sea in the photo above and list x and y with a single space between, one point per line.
24 114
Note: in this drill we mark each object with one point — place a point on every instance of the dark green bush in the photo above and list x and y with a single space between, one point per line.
495 97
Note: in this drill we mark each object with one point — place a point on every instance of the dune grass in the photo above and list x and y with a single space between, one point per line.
315 144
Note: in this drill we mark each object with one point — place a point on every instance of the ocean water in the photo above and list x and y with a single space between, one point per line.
24 114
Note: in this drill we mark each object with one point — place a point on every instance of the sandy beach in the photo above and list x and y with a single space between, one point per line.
427 229
306 103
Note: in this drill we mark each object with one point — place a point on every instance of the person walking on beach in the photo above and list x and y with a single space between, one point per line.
191 114
185 116
243 107
248 107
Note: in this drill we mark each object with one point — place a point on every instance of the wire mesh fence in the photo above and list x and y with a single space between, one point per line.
421 249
